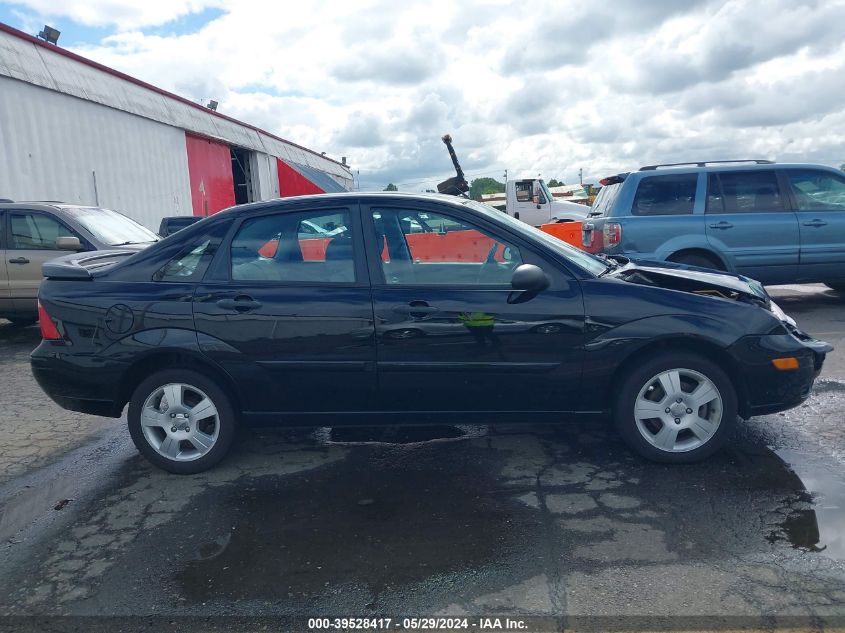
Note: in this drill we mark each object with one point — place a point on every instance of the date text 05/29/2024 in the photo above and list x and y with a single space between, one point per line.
420 624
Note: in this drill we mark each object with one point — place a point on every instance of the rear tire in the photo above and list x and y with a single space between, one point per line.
190 434
694 259
23 321
701 403
839 286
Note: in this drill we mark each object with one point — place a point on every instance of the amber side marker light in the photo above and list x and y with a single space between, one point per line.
785 364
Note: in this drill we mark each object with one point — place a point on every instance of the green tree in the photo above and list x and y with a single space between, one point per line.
554 182
842 167
391 187
481 186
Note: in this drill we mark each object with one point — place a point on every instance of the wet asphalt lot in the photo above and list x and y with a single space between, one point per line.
499 520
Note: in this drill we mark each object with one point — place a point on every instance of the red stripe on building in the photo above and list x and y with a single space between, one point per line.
292 183
210 174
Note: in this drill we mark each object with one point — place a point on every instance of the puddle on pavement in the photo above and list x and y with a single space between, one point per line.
820 528
385 518
395 434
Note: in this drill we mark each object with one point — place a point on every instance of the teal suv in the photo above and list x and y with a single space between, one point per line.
777 223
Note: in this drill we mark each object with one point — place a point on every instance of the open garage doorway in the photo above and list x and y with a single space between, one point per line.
243 175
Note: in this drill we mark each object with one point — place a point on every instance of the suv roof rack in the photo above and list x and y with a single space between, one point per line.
758 161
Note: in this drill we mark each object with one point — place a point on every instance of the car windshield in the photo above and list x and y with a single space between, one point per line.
110 227
588 262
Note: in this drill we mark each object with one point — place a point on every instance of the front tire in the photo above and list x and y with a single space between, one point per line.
181 421
675 407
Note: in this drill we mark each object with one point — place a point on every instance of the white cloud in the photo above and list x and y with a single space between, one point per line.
532 87
122 13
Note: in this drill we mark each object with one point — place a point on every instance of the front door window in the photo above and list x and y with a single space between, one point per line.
34 231
427 248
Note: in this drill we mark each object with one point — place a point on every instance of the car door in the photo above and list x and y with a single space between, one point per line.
5 296
818 197
751 224
451 334
31 241
288 313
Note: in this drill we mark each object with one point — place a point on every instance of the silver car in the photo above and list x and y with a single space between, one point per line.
32 233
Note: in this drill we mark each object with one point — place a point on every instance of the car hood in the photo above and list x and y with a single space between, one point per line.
700 281
564 209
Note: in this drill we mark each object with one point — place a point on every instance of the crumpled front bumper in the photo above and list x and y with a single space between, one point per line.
768 389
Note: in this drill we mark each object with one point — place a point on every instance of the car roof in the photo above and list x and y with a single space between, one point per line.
693 167
53 205
382 196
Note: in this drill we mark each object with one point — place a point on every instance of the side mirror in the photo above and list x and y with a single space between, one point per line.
68 243
529 278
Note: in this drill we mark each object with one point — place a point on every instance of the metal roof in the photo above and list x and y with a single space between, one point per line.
28 59
319 178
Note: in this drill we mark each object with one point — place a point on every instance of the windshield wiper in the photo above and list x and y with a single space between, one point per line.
612 264
130 243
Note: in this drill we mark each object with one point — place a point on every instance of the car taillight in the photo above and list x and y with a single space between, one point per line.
49 331
612 234
589 234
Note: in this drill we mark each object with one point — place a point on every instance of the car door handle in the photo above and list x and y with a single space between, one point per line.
241 303
721 225
815 222
19 260
420 309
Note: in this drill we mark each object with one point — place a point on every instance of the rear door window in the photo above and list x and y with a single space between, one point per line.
665 195
295 247
744 192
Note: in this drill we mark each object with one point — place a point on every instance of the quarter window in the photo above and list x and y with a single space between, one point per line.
744 192
817 190
665 195
295 247
34 231
186 265
434 249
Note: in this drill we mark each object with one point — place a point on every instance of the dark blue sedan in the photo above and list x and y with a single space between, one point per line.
407 309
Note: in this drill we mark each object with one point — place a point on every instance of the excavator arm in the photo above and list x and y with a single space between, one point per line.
456 185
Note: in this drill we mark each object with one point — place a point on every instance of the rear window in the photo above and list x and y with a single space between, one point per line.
665 195
605 199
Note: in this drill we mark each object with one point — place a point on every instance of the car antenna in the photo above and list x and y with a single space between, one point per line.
456 185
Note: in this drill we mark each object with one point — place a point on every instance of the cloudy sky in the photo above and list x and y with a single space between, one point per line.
532 87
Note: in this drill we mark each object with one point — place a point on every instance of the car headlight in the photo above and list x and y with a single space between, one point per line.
780 314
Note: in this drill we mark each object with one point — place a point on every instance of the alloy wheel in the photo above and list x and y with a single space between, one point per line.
678 410
180 422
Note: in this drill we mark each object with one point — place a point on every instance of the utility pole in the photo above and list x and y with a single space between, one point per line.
580 176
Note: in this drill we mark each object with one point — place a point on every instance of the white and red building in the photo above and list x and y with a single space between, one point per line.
76 131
